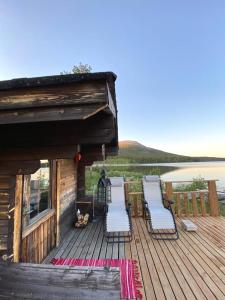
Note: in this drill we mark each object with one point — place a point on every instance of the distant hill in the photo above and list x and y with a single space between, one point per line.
134 152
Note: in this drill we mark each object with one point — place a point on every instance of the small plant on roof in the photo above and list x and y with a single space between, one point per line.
78 69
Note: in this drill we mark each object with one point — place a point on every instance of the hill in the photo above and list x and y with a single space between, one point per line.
134 152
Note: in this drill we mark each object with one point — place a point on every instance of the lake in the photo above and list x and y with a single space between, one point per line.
184 171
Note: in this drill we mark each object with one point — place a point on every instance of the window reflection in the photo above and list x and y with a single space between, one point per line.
39 190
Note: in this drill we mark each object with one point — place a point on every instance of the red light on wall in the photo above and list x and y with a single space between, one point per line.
77 157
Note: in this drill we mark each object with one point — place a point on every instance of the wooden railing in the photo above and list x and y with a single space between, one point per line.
192 203
39 238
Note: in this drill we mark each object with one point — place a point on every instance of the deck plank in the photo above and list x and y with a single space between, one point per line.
192 267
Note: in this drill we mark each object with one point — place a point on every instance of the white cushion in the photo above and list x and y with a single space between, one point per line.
150 178
117 219
161 218
116 181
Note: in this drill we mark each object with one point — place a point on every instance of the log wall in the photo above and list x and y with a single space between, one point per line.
67 195
7 190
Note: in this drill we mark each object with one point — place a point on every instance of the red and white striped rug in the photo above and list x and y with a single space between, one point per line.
129 275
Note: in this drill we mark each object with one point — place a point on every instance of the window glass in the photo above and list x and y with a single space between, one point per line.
39 189
36 193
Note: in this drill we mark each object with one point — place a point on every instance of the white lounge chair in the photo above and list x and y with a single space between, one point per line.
118 220
160 218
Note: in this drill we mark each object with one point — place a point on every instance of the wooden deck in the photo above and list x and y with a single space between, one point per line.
192 267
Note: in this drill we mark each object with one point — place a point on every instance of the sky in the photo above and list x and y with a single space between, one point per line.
169 57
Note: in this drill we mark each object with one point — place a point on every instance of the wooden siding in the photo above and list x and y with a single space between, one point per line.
67 195
7 199
61 95
192 267
39 238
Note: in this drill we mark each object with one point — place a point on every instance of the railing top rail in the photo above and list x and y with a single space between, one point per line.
175 181
186 192
180 181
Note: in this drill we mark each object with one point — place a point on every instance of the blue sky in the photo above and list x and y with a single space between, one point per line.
169 57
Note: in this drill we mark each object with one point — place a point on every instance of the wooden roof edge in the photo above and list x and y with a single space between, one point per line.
18 83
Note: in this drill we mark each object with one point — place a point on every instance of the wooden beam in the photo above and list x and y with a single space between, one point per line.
59 95
35 281
97 130
58 178
18 218
37 153
19 167
50 114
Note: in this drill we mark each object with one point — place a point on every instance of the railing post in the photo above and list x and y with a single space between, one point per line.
213 199
126 189
169 190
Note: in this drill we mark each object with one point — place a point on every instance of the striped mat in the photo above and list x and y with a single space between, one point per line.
129 275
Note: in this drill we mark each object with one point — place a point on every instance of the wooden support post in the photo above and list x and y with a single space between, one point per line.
26 200
213 199
135 206
169 190
17 237
58 177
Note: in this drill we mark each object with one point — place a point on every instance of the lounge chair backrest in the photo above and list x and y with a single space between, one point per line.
152 191
117 191
116 181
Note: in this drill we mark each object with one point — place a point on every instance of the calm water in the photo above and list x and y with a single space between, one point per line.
206 170
187 171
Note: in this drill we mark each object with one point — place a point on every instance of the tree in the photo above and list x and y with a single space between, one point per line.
78 69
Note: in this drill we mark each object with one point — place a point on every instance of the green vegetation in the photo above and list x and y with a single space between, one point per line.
130 173
197 184
78 69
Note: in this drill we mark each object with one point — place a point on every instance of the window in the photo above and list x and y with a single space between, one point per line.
36 193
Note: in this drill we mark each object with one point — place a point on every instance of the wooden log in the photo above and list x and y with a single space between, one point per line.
59 95
51 114
169 190
213 199
17 219
26 200
58 176
26 281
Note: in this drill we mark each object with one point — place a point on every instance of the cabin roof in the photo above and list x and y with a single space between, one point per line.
55 80
58 111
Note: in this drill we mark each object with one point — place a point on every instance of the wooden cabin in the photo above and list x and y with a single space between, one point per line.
51 128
